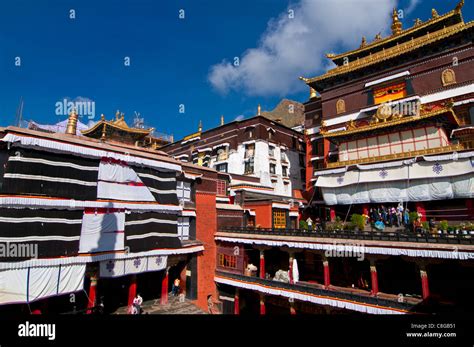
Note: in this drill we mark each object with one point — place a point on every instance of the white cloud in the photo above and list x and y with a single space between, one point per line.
411 6
291 47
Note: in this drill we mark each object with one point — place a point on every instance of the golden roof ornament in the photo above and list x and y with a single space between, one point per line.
304 79
363 42
459 6
200 126
330 55
418 22
259 110
434 13
378 37
312 93
396 24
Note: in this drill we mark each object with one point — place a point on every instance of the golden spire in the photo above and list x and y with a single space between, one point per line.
259 110
200 126
117 115
363 42
72 123
222 120
459 6
312 93
396 24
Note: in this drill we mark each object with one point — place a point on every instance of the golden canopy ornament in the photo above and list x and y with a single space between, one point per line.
448 77
384 112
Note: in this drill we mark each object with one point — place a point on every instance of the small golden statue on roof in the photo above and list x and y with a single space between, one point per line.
378 36
364 42
418 21
434 13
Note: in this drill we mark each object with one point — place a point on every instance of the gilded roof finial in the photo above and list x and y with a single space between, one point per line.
222 119
117 114
378 36
459 6
200 126
259 109
304 79
418 21
363 42
396 24
434 13
102 117
312 93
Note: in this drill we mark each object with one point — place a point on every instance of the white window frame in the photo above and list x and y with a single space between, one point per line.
184 226
183 190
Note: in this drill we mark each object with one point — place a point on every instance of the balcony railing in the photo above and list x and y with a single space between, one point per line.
399 236
341 295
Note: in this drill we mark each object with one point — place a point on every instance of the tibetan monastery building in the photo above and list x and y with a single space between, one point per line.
394 122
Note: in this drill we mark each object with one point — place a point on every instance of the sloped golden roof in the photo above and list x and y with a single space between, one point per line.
397 35
394 51
118 123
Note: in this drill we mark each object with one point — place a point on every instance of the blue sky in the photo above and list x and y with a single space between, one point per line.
177 61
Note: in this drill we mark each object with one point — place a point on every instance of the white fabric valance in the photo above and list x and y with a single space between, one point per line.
395 191
356 249
420 170
70 204
123 267
316 299
63 147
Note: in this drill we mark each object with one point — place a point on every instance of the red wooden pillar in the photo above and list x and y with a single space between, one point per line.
262 264
365 209
425 289
470 208
332 214
262 304
132 291
420 208
92 295
236 302
374 278
327 278
292 307
164 289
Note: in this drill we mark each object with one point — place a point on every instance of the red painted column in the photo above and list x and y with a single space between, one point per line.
327 278
164 289
425 289
332 214
470 208
92 294
262 264
236 302
262 305
374 278
292 308
420 208
365 209
132 291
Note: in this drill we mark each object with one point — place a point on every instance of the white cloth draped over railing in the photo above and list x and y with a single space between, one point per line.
421 181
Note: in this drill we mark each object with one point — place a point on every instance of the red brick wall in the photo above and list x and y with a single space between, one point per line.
206 227
263 214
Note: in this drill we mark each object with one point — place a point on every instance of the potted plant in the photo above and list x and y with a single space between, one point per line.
358 222
443 225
